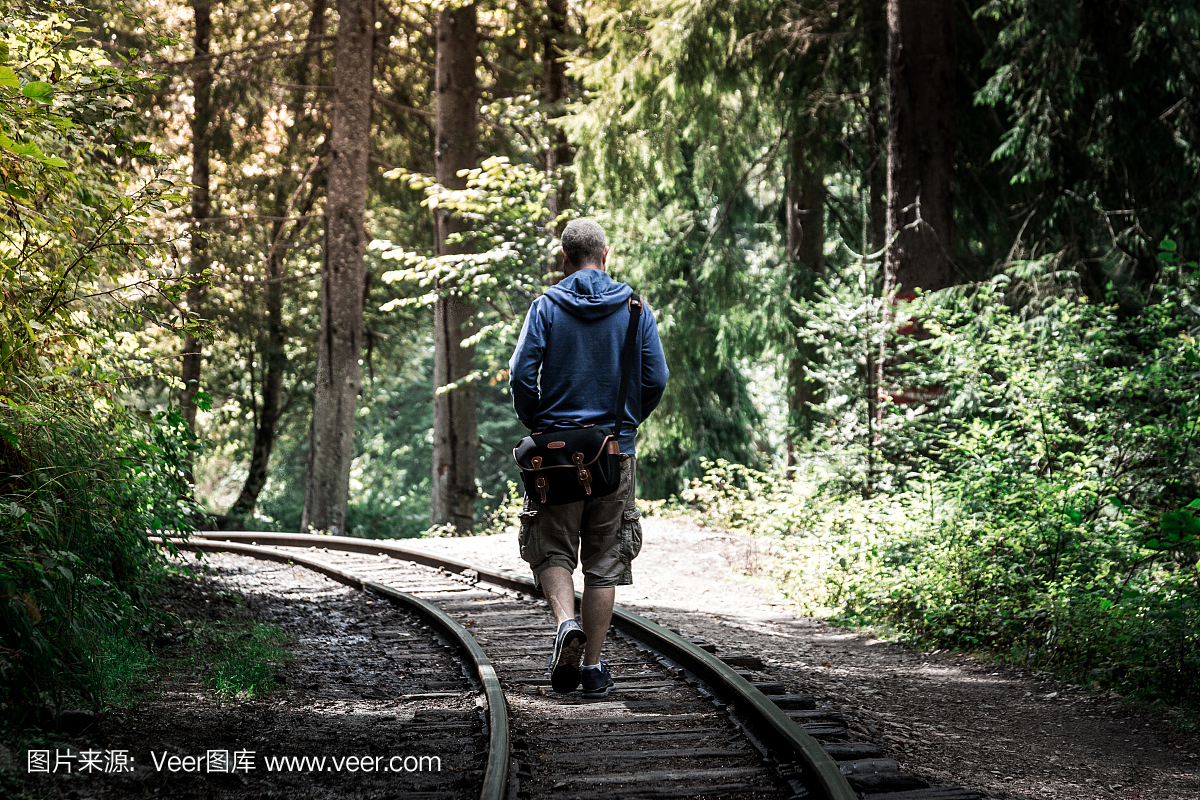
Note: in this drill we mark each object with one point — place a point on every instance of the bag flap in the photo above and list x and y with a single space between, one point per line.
557 447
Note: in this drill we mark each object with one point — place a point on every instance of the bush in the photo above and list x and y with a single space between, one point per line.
84 478
82 491
1044 510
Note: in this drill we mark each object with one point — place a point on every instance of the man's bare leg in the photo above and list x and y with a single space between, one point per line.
597 614
559 588
598 601
571 640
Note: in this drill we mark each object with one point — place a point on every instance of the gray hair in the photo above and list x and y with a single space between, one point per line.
583 242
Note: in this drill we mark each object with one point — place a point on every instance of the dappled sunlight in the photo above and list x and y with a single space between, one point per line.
895 305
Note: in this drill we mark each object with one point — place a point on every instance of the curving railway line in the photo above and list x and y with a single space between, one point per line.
683 721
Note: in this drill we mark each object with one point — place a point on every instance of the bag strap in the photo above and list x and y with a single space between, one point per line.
635 315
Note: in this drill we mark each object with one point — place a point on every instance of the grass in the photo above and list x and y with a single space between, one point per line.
122 664
235 656
218 640
246 659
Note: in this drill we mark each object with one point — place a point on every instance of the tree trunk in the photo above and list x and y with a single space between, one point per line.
275 358
876 165
455 438
805 193
555 92
201 125
877 215
274 351
876 175
921 73
335 395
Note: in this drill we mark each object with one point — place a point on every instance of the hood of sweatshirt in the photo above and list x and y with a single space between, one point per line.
589 294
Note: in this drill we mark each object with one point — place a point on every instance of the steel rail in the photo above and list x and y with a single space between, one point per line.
818 769
495 776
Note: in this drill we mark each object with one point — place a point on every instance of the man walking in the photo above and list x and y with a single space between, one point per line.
567 366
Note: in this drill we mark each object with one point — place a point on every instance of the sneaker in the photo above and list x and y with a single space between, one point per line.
568 652
597 681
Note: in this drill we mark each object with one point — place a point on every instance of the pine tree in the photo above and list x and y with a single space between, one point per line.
921 77
805 221
201 122
554 90
331 439
288 201
455 436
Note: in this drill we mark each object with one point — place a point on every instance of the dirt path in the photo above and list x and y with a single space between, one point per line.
950 718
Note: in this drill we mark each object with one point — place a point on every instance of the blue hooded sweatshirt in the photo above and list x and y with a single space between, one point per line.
573 336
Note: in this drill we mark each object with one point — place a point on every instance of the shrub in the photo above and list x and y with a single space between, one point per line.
1044 510
82 491
84 477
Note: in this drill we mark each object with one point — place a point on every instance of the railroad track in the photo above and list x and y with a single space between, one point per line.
683 721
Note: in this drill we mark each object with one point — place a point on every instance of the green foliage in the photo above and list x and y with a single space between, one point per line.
706 333
507 516
845 325
1042 508
73 240
1101 127
684 150
85 475
506 206
82 488
1045 509
391 474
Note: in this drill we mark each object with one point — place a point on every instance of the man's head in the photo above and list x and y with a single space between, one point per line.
583 246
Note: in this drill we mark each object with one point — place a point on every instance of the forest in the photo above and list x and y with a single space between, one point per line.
925 274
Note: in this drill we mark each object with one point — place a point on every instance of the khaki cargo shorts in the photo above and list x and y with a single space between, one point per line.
605 533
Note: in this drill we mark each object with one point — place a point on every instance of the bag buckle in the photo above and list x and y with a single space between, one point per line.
540 484
582 474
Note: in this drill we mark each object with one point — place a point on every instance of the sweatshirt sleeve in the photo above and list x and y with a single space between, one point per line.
654 366
524 365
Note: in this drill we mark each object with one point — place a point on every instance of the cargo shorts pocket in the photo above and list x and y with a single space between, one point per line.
527 537
631 534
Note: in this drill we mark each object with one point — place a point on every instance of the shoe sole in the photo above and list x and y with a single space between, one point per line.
597 695
564 676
